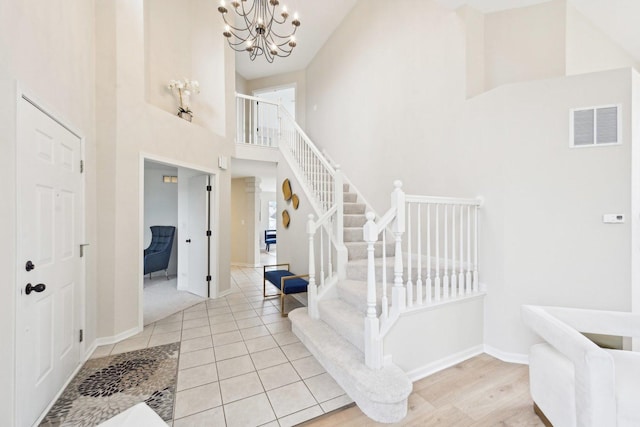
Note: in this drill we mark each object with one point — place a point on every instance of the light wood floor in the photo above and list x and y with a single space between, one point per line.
482 391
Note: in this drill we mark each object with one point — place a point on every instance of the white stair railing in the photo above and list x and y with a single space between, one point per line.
258 121
323 185
268 124
441 256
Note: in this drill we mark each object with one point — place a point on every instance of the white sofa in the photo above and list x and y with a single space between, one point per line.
573 381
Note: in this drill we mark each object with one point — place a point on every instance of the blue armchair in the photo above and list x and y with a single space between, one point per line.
156 256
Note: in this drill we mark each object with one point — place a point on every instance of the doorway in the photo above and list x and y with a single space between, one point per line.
284 95
178 197
50 222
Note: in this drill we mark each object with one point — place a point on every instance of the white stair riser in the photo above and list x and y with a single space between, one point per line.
358 250
354 221
354 208
350 197
350 324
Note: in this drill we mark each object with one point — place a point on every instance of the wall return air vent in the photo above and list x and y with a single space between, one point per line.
595 126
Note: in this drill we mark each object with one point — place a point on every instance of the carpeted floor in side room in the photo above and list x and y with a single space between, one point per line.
162 298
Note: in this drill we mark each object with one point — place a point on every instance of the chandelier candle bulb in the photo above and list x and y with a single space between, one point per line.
256 29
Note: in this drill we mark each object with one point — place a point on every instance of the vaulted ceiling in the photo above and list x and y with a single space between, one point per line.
616 18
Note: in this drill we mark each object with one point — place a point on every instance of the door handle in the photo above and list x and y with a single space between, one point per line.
37 288
188 240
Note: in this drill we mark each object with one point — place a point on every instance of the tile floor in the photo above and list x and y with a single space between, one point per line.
240 364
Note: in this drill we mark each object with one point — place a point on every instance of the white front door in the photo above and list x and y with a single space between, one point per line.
198 247
50 204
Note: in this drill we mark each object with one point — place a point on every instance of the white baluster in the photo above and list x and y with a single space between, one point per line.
385 300
454 276
409 273
461 284
467 278
338 197
312 290
322 255
329 233
437 272
429 284
398 297
445 278
476 284
372 342
419 300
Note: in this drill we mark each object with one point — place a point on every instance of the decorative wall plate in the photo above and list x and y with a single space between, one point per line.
295 200
286 189
285 219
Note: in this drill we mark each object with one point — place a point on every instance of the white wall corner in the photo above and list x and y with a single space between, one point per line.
520 358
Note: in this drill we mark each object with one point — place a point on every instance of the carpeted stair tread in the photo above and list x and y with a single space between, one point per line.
354 293
350 197
354 208
345 319
381 394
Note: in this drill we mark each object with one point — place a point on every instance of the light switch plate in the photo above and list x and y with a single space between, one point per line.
613 218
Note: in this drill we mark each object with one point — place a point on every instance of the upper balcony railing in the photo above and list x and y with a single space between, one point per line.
258 121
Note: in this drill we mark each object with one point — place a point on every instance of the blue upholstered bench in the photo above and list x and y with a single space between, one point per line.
285 281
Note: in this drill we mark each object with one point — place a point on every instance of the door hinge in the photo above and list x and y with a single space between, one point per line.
81 166
208 278
81 335
208 233
208 188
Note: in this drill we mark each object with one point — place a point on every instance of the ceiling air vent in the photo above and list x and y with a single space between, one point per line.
595 126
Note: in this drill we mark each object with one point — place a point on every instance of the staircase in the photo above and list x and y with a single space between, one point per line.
337 340
362 289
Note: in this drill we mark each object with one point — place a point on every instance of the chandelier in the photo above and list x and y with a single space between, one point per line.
256 28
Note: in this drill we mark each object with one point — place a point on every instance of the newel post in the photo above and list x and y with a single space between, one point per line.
372 342
312 289
399 294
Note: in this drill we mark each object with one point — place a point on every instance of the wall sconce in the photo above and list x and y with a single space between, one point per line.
168 179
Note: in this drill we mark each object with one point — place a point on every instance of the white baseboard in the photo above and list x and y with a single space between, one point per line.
89 351
117 338
520 358
223 294
447 362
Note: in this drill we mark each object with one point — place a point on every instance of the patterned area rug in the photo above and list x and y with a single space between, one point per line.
106 386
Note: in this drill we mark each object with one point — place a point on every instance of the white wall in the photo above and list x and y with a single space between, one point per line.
635 197
129 128
589 49
542 239
179 36
238 222
51 53
161 207
525 43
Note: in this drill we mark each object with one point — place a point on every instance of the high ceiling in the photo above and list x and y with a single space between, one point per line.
318 18
616 18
